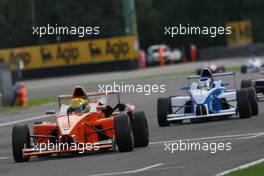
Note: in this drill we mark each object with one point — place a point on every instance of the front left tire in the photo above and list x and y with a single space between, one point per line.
140 127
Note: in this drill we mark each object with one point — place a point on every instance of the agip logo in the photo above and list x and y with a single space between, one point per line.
112 49
14 58
118 50
68 54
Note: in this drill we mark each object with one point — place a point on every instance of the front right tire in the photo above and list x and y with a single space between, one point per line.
20 139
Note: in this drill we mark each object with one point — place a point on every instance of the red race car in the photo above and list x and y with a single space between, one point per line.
84 123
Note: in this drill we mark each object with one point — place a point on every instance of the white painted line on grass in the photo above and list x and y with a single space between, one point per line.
128 172
227 137
23 120
240 167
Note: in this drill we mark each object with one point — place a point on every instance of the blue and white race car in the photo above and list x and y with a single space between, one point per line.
207 98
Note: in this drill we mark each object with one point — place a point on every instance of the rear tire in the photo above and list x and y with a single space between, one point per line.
222 69
243 104
163 109
123 133
252 96
20 138
243 69
198 71
141 133
246 83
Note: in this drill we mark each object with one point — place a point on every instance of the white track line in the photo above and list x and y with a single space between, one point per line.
128 172
4 157
254 136
166 168
240 167
236 136
23 120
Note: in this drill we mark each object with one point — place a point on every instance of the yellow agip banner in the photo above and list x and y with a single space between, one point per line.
72 53
241 33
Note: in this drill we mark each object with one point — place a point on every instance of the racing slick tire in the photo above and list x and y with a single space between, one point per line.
20 138
252 96
163 109
221 69
124 133
243 69
246 83
140 129
198 71
243 104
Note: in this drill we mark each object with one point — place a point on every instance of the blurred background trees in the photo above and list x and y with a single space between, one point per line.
17 18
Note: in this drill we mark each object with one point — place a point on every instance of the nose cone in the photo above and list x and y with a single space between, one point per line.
199 96
66 125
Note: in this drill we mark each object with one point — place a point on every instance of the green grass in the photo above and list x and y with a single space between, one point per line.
233 69
11 108
33 102
256 170
41 101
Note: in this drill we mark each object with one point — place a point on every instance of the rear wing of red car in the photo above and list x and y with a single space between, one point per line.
63 98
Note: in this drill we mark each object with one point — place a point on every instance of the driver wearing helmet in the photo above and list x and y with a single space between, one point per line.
79 105
205 84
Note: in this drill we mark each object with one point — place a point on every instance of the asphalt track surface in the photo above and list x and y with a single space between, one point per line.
245 135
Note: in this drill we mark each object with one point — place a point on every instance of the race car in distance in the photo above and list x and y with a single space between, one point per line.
153 55
257 84
99 127
214 68
253 65
207 98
